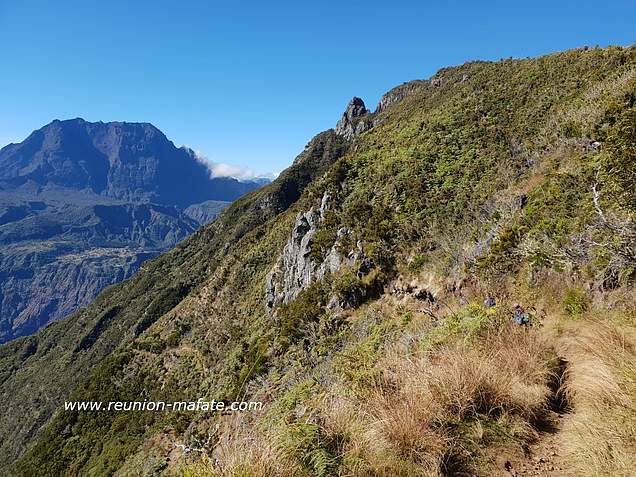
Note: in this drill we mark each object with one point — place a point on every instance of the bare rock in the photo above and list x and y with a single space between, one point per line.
295 270
396 95
354 120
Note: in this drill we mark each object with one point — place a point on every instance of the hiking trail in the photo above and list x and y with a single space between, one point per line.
545 456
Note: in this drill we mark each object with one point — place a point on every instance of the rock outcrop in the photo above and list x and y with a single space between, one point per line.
205 212
355 120
424 289
295 270
398 94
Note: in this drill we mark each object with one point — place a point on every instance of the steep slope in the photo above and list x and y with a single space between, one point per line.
34 375
347 296
82 205
56 261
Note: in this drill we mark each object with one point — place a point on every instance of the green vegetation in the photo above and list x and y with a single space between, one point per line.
305 309
575 302
483 184
618 158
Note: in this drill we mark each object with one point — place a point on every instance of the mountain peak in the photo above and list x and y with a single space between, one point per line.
67 121
110 195
97 125
355 108
351 123
120 160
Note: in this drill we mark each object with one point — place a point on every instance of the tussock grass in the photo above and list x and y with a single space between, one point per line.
441 409
240 453
451 400
444 410
600 436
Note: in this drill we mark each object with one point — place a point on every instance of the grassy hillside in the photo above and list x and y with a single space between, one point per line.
511 179
38 372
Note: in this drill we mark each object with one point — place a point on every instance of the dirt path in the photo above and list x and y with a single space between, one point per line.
545 455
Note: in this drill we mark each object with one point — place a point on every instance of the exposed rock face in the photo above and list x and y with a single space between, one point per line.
295 270
357 119
354 120
57 259
415 289
355 109
38 288
398 94
205 212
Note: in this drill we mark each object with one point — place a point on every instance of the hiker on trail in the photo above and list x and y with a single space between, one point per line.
490 301
521 317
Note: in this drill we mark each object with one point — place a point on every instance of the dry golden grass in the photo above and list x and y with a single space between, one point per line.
431 413
455 406
600 435
243 455
436 412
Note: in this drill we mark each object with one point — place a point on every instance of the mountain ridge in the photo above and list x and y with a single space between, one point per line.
119 160
109 195
380 356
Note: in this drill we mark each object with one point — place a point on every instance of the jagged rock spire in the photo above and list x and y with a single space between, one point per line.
355 109
352 121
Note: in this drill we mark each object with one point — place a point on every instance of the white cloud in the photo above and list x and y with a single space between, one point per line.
220 169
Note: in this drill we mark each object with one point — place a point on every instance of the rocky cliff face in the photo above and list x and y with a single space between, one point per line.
355 120
61 257
82 205
398 94
295 270
205 212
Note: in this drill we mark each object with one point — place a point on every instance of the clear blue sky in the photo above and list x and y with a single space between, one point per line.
250 83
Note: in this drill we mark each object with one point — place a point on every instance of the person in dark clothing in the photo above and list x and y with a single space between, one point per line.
521 317
490 301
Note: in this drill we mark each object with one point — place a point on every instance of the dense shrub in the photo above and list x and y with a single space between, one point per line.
619 158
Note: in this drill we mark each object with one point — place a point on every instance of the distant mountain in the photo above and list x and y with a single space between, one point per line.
83 204
124 161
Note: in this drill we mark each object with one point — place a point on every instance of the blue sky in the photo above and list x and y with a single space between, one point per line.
249 83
